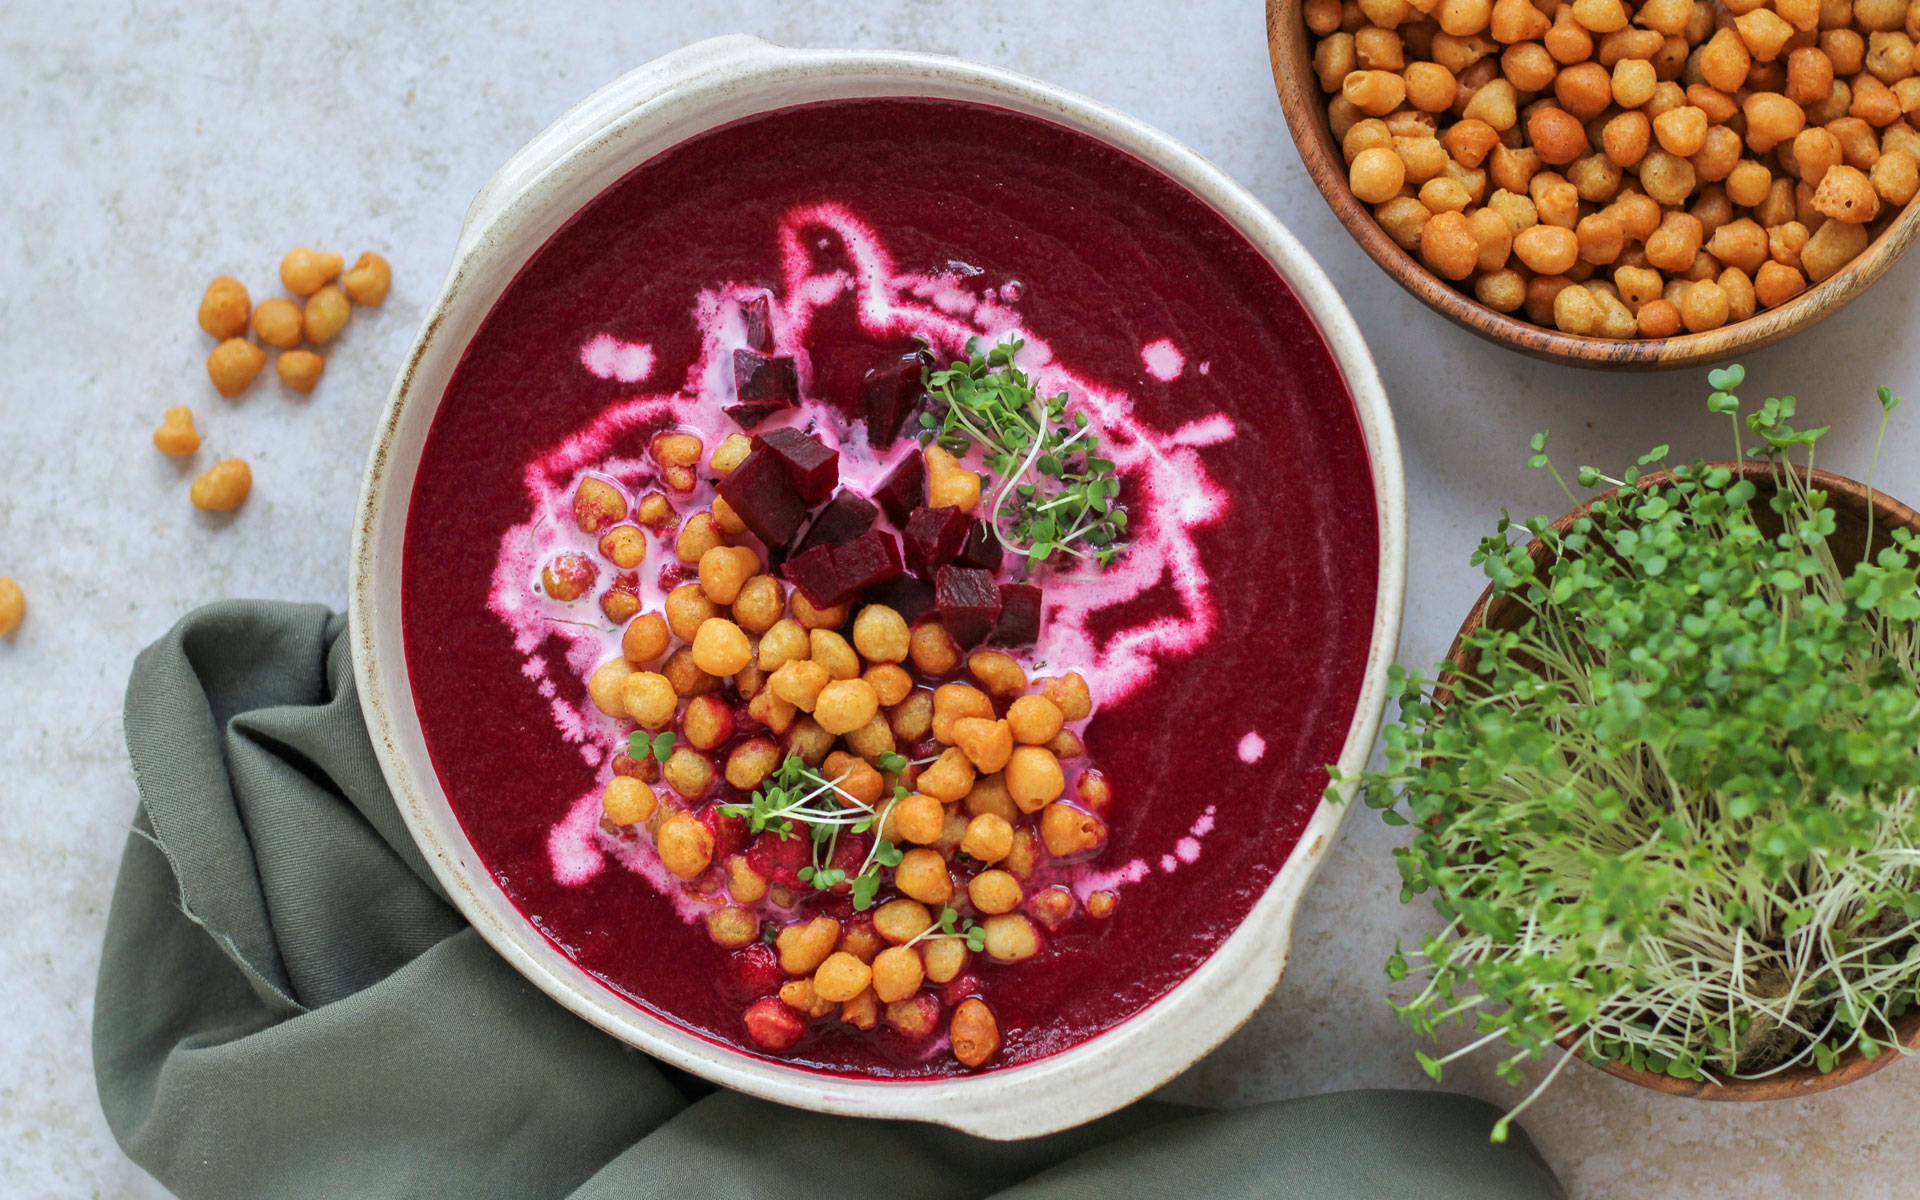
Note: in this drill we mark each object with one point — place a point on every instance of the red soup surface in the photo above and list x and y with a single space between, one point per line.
1224 649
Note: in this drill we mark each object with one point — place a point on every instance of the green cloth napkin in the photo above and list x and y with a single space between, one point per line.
289 1007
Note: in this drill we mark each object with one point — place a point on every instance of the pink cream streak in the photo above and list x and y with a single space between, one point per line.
1175 496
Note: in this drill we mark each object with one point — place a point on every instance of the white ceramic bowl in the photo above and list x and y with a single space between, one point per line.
567 165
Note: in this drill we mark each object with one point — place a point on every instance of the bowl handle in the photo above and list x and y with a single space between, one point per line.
594 116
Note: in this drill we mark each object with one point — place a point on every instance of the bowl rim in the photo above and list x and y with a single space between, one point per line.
1302 105
1854 498
624 123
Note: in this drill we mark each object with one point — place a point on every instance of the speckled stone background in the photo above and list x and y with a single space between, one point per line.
145 148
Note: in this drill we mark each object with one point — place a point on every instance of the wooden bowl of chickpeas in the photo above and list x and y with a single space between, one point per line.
1631 183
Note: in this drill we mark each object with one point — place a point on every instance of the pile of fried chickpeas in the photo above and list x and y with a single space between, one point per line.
748 674
1625 170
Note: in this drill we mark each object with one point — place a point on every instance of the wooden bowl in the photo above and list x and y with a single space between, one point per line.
1290 45
1851 502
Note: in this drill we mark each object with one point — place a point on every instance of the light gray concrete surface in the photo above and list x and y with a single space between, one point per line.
145 148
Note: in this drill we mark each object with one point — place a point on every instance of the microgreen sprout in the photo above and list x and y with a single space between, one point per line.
1668 805
1052 491
949 925
643 745
797 798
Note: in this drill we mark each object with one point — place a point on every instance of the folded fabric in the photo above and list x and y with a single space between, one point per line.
288 1006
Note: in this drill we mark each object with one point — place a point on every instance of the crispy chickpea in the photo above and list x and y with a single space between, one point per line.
656 512
1658 319
1430 87
1776 283
944 958
786 641
1748 182
831 651
1376 47
1502 290
1376 175
326 314
627 801
816 618
1879 14
1740 243
1069 694
1555 201
933 650
1547 249
798 994
1724 61
685 845
802 948
700 534
922 874
889 681
720 647
1672 246
988 838
733 926
1809 75
1741 300
1576 311
223 487
841 977
1681 131
1496 104
880 634
1333 59
1370 134
645 638
1322 16
759 604
770 710
687 609
300 369
1403 218
707 722
974 1033
989 795
845 705
912 718
1469 142
1375 93
1771 120
1813 151
1846 194
1516 21
919 819
799 682
949 482
994 892
277 322
1595 178
1601 239
951 702
1495 239
1704 307
750 762
1010 937
305 271
568 576
1832 246
950 777
224 308
1557 135
233 364
854 777
624 546
724 570
1423 157
688 772
1896 176
1034 778
649 699
901 921
1600 16
176 436
897 973
987 744
368 280
605 686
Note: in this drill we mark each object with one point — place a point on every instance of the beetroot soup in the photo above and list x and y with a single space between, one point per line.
884 582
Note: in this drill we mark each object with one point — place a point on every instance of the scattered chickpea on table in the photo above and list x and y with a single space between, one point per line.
13 606
1625 170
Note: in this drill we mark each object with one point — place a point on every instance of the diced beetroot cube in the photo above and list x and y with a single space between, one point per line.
760 492
752 972
912 598
1019 623
981 549
870 559
849 853
905 488
846 516
773 1026
813 573
780 859
749 416
933 536
758 376
969 602
813 466
889 393
758 313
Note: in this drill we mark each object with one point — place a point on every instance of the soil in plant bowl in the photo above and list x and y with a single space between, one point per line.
776 281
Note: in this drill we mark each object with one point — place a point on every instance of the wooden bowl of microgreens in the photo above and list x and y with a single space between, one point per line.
1664 786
